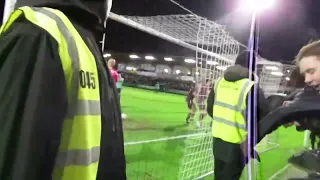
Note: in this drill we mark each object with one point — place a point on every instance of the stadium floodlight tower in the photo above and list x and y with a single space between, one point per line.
270 74
256 6
269 80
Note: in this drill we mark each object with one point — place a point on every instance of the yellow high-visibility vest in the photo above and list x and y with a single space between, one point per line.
79 149
229 110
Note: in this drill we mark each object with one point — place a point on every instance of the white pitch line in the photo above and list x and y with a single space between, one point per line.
165 139
279 172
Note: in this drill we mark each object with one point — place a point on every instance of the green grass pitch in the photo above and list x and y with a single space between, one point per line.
152 115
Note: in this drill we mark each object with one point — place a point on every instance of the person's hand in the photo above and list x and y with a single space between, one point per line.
244 148
285 103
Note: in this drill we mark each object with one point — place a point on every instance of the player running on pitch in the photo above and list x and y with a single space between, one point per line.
198 103
191 105
201 98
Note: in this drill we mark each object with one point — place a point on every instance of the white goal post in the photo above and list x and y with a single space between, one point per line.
8 8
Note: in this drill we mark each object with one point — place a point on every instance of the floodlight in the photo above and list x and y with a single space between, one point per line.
212 63
178 71
256 6
131 68
272 68
287 78
189 61
168 59
106 55
222 68
277 73
133 56
149 57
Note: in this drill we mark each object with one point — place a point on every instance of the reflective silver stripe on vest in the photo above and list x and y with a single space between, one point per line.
229 123
78 157
73 52
88 107
84 107
236 108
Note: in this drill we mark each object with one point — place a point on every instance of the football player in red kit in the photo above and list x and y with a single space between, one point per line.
191 105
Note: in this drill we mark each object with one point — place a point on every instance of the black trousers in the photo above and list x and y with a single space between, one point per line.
229 160
228 170
119 92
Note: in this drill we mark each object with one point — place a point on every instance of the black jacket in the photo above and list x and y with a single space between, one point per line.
34 100
304 108
224 150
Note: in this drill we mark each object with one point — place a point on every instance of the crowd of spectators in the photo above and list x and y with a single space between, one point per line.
133 79
171 84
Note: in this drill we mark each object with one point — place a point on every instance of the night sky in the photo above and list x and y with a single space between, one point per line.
284 29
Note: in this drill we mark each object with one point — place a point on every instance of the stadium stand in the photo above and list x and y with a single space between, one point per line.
149 82
175 76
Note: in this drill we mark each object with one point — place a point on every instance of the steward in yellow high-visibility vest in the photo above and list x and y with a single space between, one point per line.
227 105
229 110
59 112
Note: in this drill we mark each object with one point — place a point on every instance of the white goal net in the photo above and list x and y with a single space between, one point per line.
215 51
211 37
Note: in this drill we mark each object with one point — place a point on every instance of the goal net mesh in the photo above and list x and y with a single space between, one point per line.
215 51
186 28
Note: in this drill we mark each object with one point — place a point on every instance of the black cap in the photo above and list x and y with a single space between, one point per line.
243 59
